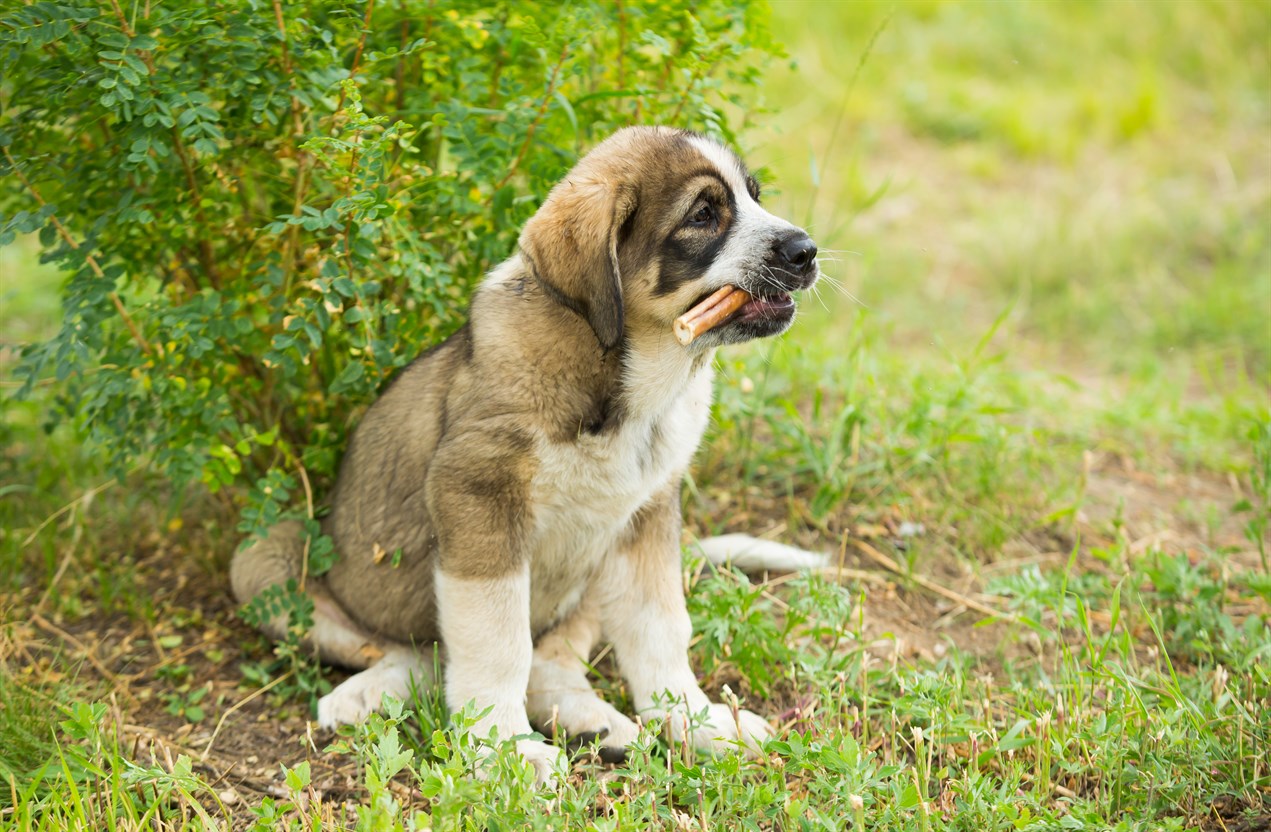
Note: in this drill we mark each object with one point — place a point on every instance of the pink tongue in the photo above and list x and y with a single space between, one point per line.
759 306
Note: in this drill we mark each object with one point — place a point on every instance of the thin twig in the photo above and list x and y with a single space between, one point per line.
206 257
88 495
697 76
61 569
847 95
302 158
296 123
357 54
622 44
234 709
48 626
538 117
891 566
838 574
304 562
123 21
88 258
399 71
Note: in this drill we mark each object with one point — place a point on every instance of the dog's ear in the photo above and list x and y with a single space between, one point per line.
571 247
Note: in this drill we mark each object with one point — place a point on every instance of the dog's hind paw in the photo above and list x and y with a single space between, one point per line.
585 718
726 730
599 722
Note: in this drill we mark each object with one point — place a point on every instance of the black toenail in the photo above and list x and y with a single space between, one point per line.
611 754
587 740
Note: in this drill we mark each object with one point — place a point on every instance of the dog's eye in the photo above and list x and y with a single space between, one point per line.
702 216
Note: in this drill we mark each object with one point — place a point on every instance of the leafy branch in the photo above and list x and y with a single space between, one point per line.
88 258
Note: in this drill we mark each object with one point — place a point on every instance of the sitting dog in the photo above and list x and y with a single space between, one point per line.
525 474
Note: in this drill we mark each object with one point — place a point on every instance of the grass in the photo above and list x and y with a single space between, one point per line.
1036 384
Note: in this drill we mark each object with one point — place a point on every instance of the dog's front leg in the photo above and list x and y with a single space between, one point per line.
482 584
645 617
485 628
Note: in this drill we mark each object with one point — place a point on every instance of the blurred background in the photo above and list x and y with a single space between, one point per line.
1050 229
1097 171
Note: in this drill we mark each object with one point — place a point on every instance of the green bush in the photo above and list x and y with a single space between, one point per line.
264 209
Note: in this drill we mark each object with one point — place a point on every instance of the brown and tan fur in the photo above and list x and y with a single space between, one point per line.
528 469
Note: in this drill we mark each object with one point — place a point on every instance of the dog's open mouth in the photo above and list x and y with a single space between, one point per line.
768 306
729 304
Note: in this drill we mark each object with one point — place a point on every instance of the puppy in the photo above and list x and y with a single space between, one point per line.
514 495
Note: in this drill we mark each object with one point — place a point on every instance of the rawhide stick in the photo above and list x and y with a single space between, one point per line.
709 314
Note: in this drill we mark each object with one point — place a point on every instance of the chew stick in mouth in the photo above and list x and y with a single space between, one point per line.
709 314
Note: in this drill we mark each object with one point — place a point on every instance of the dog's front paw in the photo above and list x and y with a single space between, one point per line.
547 760
360 695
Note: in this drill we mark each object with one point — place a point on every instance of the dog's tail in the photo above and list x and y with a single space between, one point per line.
752 554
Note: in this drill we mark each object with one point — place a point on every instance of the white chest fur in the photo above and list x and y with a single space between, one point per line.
585 492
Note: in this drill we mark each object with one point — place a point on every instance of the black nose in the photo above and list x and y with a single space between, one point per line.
797 251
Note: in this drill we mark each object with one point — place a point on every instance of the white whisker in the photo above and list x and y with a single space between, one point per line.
838 286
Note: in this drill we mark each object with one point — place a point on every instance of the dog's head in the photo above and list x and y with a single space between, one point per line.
654 220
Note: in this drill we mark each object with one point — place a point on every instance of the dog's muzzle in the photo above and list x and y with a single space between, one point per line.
790 267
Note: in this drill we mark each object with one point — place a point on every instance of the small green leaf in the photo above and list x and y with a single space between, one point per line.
137 64
296 778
